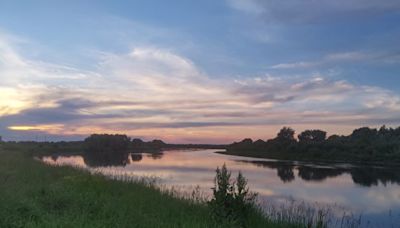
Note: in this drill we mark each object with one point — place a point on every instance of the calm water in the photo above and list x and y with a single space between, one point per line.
373 192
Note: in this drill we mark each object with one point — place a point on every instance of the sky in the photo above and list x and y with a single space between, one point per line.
197 71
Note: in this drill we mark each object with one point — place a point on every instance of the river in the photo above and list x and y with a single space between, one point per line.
370 191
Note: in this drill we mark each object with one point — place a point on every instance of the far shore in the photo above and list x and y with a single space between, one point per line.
324 161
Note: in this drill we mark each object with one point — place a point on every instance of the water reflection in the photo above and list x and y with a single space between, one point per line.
106 159
318 174
286 174
156 155
113 159
373 176
136 157
361 175
328 184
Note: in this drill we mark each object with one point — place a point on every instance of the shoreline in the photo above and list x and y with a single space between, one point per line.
34 194
324 161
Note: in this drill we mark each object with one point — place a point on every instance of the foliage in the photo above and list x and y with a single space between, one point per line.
312 136
138 145
103 150
286 134
105 142
232 202
363 145
156 145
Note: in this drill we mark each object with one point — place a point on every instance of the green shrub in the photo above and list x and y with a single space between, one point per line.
232 201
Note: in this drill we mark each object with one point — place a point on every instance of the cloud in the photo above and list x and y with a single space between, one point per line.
250 6
295 65
17 69
155 92
308 11
348 56
342 57
318 91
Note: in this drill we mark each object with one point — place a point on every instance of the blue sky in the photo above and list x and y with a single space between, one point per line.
204 71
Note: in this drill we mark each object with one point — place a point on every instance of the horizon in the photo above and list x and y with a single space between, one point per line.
45 138
199 72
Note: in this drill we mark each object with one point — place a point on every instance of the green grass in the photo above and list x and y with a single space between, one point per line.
33 194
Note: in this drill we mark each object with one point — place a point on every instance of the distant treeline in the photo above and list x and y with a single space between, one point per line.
138 145
123 142
106 149
363 145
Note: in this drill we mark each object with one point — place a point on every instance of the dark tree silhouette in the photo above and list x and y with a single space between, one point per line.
363 145
106 150
364 134
312 136
138 145
286 134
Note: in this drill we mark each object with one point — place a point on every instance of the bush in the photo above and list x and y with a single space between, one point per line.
232 201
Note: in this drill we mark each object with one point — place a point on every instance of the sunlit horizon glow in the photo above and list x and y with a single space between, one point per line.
187 77
47 128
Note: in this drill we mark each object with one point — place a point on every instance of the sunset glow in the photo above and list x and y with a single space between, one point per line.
183 78
46 128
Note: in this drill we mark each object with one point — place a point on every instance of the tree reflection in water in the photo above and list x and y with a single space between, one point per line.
372 176
106 150
156 155
318 174
136 157
286 174
116 158
106 159
362 175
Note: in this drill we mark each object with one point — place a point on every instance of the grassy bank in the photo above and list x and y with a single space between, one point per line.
36 195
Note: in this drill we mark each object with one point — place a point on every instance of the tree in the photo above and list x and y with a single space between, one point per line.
156 143
245 144
286 134
259 145
106 142
106 150
364 133
137 143
312 136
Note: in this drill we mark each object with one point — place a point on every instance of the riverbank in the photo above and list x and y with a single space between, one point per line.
33 194
291 157
364 145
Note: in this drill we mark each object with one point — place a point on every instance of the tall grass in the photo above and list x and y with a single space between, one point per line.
33 194
311 215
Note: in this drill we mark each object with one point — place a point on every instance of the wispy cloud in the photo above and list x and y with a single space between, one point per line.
250 6
156 92
309 11
342 57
